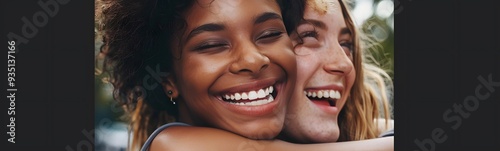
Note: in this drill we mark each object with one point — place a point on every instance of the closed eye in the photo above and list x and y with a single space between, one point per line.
209 45
308 37
269 36
347 46
313 34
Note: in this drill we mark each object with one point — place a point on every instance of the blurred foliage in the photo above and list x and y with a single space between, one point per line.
377 26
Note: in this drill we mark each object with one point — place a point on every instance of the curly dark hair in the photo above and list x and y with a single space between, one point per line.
136 35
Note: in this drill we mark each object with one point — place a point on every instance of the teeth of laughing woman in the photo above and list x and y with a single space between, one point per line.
251 95
244 96
256 103
333 94
237 96
326 94
261 94
320 94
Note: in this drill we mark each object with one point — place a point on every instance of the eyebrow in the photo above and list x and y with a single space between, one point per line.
345 30
266 16
211 27
322 25
205 28
316 23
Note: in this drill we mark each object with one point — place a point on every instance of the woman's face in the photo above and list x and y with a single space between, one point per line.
325 74
237 68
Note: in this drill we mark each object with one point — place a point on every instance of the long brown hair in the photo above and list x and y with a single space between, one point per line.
368 100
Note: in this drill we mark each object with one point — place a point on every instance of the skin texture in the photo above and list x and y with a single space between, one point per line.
324 60
244 48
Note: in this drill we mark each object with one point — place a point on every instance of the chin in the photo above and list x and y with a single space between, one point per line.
314 132
263 135
262 130
325 137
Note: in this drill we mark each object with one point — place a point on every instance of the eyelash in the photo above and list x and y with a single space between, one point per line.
208 45
349 45
216 44
312 33
270 34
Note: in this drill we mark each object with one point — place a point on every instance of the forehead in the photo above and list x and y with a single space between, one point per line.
231 6
203 11
327 11
208 2
323 6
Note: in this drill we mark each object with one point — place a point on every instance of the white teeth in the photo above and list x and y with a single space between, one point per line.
333 94
244 96
261 94
251 95
255 103
237 96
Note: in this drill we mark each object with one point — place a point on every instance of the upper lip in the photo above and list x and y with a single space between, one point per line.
249 86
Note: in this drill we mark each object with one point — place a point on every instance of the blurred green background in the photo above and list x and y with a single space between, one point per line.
374 17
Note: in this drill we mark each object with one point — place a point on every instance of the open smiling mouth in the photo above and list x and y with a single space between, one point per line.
251 98
331 96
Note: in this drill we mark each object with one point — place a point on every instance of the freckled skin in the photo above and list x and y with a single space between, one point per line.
328 64
241 55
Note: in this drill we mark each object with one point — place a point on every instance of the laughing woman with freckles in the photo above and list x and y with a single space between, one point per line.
227 71
339 96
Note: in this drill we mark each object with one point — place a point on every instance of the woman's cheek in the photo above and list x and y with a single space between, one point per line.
305 67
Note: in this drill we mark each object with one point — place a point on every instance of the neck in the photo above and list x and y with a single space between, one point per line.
184 115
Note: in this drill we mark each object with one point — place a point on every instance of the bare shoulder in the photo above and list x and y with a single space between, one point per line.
187 138
166 139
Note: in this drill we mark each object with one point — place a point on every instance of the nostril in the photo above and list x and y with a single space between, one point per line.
338 67
264 67
250 61
245 70
254 71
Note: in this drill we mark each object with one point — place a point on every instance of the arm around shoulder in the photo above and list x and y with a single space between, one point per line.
187 138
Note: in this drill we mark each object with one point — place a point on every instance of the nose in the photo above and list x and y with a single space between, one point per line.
337 61
249 60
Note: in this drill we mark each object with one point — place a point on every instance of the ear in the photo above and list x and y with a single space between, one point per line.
169 85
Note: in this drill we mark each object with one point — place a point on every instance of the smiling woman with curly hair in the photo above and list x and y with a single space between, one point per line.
219 73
